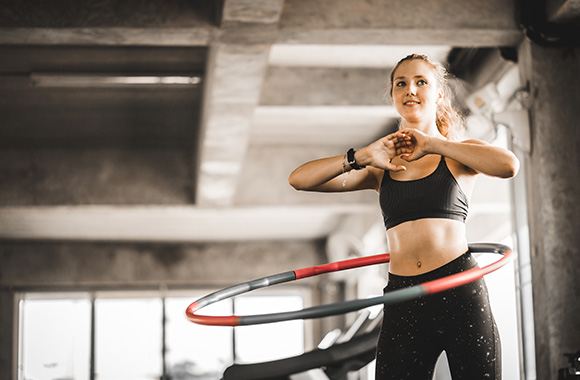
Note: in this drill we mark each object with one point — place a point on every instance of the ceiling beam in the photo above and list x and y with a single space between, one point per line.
173 223
232 91
186 223
460 23
203 36
234 76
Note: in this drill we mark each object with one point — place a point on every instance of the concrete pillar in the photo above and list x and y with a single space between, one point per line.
7 335
553 175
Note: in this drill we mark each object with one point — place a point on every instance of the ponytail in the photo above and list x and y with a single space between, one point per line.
449 121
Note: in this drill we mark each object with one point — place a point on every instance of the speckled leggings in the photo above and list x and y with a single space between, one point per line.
458 321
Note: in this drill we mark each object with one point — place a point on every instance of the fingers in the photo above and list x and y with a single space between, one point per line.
401 137
404 151
405 146
396 168
398 137
397 144
407 131
402 141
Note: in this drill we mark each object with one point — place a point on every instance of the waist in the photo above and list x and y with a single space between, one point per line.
462 263
420 246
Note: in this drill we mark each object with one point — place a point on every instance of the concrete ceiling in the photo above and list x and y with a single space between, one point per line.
282 82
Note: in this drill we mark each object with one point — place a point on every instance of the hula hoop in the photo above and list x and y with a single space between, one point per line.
337 308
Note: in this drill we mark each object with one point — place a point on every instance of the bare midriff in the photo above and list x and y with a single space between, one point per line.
420 246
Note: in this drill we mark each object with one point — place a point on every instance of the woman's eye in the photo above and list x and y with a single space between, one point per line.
421 82
400 84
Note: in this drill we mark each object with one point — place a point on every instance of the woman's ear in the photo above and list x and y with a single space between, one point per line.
439 96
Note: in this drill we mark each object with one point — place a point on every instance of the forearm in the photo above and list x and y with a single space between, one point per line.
478 156
317 172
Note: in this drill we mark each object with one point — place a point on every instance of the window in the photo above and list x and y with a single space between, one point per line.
193 349
271 341
143 336
128 338
55 343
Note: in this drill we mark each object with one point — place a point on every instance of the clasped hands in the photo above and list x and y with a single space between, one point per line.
408 144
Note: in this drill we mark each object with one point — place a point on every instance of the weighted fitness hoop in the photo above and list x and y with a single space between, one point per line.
337 308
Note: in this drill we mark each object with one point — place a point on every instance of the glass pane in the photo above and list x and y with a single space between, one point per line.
502 288
128 339
270 341
196 351
55 339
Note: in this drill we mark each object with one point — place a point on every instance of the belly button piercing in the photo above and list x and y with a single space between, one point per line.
419 264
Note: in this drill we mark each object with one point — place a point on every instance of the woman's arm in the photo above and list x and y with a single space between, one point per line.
480 157
334 174
476 155
330 174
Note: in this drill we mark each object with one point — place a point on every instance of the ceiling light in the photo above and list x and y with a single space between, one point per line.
107 80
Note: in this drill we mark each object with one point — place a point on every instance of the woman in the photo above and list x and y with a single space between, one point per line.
424 178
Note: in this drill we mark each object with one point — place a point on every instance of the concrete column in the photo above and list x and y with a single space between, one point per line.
7 335
553 175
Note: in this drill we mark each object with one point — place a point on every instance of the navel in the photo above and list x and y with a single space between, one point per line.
419 264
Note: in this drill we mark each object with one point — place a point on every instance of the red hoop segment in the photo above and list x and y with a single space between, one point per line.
342 265
209 320
466 277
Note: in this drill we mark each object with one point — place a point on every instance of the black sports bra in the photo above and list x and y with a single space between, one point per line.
436 196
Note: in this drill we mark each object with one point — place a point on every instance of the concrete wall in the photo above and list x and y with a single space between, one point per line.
56 176
553 201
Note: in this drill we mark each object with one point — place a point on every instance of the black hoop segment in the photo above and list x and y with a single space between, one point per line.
393 297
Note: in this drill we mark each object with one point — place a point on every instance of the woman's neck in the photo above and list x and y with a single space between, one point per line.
429 127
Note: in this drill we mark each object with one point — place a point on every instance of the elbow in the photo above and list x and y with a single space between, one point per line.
512 167
509 173
293 181
299 181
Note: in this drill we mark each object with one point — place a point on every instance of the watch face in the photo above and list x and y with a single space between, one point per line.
352 161
350 156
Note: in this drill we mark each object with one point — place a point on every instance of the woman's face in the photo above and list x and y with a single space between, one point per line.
415 91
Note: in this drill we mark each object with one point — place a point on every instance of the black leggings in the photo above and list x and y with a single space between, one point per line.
458 321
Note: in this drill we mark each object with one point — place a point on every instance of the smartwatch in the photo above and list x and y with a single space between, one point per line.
351 161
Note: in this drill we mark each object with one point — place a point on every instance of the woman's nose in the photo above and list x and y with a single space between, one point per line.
411 89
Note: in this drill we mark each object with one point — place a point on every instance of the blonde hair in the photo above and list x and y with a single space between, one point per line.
449 121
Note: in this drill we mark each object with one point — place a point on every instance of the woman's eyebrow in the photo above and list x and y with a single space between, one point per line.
416 76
